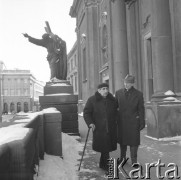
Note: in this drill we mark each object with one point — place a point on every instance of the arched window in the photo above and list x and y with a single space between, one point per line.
18 107
5 108
12 108
26 107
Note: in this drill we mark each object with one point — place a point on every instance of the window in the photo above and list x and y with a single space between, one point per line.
75 59
25 92
72 66
76 82
9 82
150 67
71 80
68 67
25 81
104 45
5 92
84 65
12 92
18 92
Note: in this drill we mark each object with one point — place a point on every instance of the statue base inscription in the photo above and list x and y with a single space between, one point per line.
59 94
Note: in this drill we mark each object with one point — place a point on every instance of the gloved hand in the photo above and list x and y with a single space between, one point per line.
92 126
26 35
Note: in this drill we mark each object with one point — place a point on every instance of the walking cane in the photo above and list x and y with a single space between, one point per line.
84 148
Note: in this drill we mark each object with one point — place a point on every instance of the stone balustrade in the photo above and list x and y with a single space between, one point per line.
25 139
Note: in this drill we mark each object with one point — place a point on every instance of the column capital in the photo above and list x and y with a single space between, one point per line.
127 2
89 3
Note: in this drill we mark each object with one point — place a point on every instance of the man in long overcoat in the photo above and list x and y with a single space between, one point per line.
131 118
100 114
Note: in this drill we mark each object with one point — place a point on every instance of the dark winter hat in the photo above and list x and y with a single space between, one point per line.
129 79
102 85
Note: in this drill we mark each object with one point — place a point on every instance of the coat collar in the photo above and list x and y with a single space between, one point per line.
99 97
130 90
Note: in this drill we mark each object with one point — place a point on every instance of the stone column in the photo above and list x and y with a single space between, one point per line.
79 64
92 47
119 42
161 47
1 93
176 27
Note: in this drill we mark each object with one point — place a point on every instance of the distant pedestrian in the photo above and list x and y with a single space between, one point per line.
100 114
131 118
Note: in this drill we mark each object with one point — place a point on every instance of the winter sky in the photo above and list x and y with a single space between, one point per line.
29 16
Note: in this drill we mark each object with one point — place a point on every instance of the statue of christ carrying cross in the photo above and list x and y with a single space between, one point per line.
57 55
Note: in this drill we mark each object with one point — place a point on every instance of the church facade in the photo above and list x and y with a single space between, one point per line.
137 37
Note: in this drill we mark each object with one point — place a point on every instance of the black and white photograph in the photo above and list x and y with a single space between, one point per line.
90 89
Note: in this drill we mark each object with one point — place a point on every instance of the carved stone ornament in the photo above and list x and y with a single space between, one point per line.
127 2
104 17
91 2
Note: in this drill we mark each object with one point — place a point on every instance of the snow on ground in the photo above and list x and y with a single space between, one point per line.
55 168
9 134
174 138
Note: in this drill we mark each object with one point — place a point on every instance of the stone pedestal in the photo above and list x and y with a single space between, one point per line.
53 133
60 95
163 117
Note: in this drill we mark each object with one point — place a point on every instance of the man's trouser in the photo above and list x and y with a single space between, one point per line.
104 160
133 153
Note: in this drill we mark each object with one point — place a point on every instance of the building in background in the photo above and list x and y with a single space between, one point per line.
72 65
20 91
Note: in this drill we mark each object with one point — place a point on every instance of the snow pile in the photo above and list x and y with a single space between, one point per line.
55 168
58 94
61 84
49 110
174 138
9 134
169 93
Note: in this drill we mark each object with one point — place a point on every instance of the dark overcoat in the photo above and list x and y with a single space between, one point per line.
102 112
131 116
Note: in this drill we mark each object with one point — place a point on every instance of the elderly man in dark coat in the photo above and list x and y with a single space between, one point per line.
131 118
100 114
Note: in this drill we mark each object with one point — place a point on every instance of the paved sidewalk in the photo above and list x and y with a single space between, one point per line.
150 151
